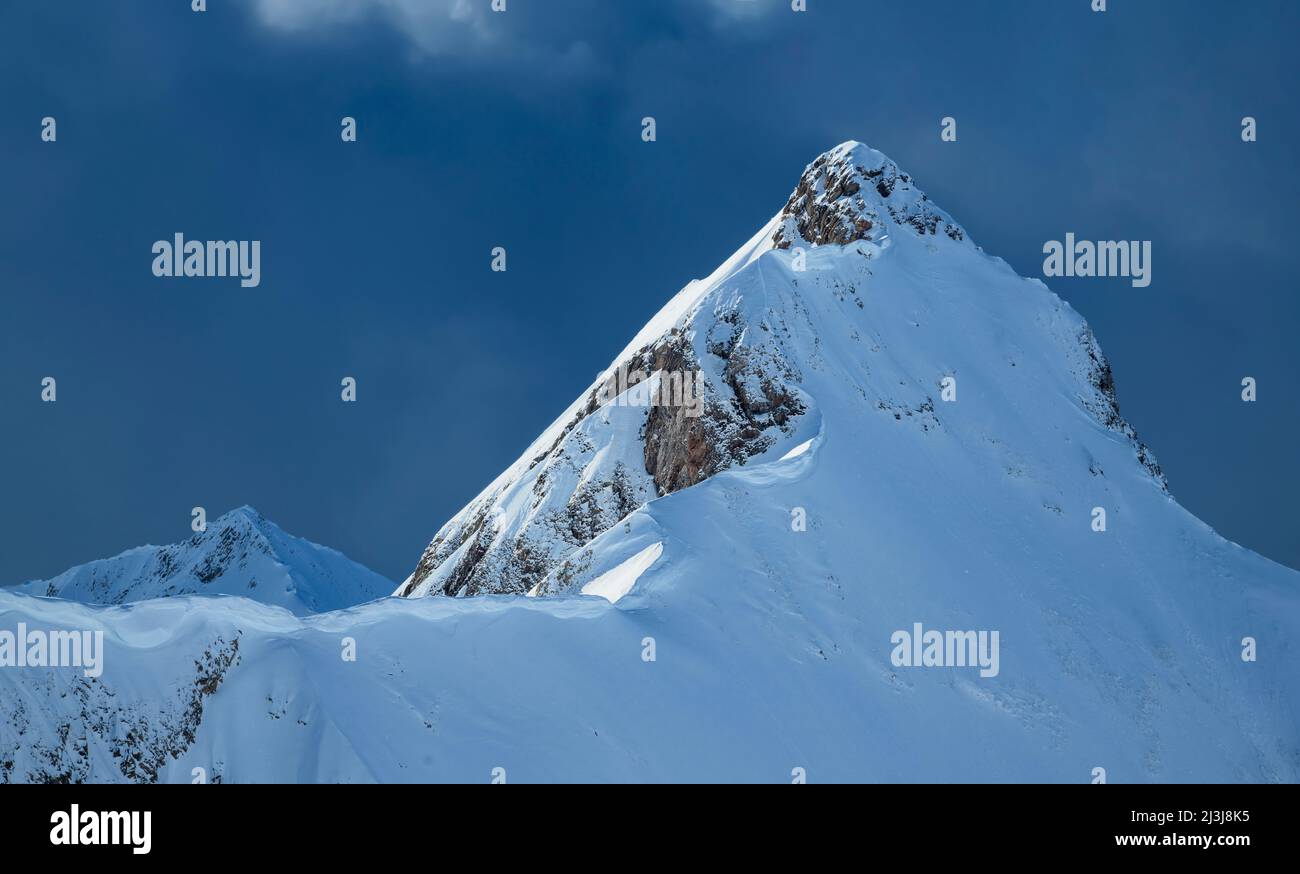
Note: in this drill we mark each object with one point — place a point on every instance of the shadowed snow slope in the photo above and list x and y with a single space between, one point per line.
762 556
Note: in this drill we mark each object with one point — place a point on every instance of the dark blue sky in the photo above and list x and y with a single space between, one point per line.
522 130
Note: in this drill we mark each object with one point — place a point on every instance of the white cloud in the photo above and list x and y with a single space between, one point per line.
743 9
557 33
434 26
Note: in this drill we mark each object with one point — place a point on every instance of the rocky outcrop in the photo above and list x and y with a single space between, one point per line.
1103 404
756 395
99 722
678 449
841 196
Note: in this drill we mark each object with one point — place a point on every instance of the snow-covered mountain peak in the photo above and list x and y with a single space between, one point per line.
242 522
239 553
241 515
854 192
856 310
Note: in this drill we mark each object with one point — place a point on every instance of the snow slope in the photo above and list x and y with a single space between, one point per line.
743 626
242 553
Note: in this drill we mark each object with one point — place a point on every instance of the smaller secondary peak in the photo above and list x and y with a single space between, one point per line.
241 523
240 516
848 193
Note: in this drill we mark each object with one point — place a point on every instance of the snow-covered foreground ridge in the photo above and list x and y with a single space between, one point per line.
836 500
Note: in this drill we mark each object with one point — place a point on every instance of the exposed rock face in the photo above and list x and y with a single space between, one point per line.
748 393
840 198
1104 405
681 449
663 448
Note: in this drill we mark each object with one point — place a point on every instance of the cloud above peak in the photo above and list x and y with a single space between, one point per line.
433 26
528 29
